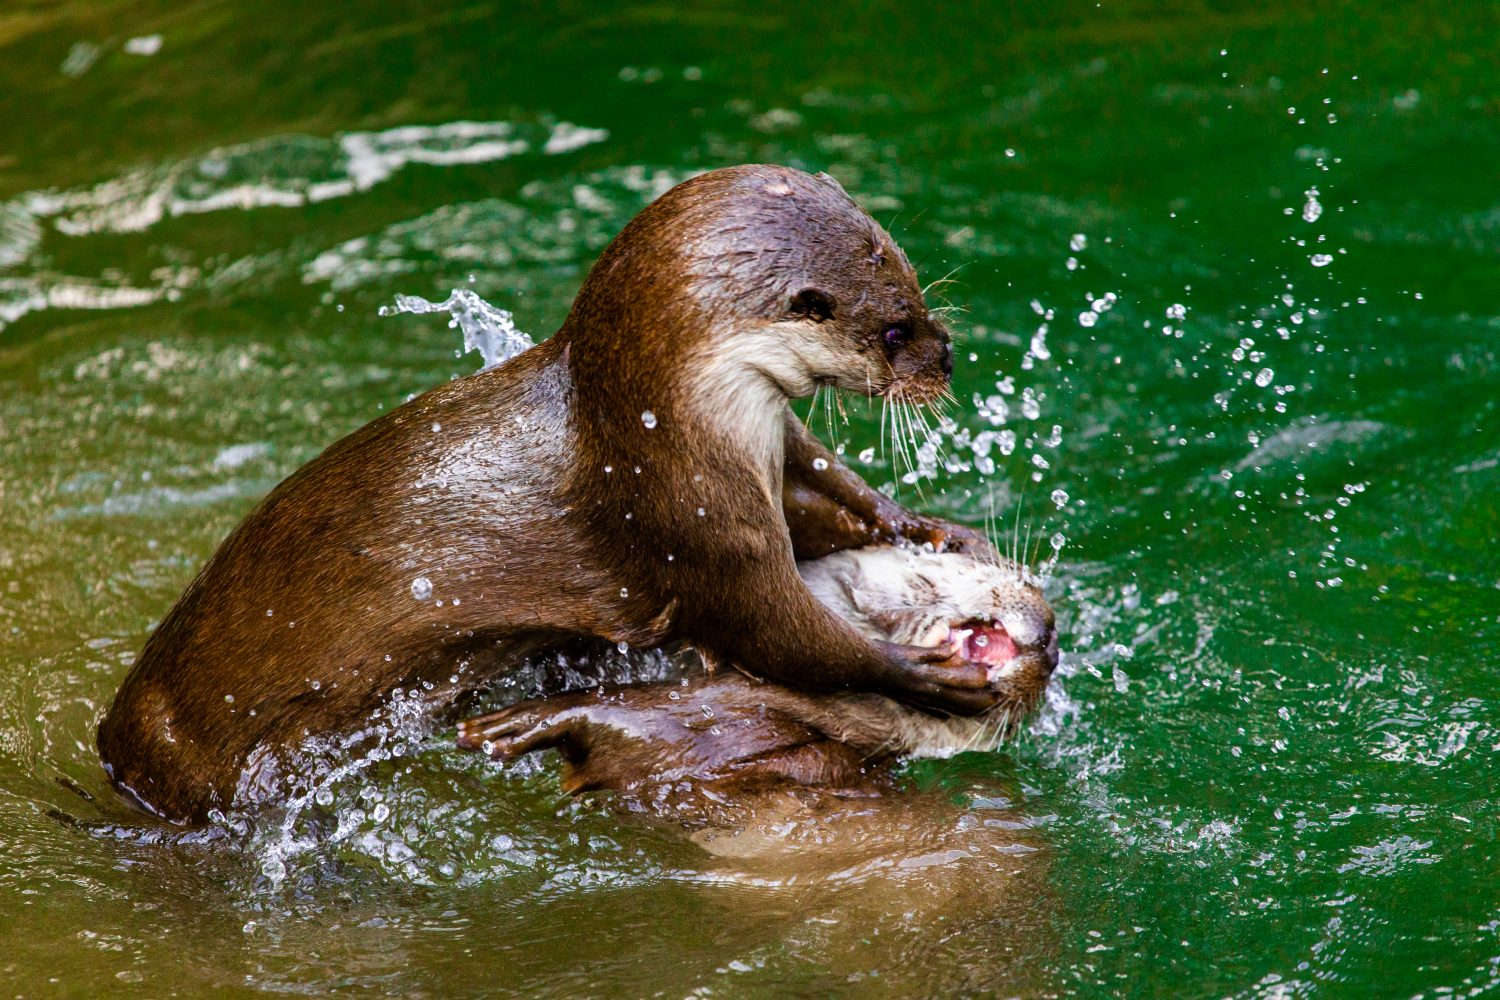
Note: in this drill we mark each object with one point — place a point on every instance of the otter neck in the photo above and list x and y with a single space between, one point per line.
722 398
733 393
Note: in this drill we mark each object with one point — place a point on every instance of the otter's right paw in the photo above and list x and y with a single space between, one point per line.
516 731
939 680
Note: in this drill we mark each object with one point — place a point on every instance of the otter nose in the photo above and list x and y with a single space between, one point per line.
948 358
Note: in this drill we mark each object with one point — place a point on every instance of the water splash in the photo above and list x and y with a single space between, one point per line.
487 329
398 796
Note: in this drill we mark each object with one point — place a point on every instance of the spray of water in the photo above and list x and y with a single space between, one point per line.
487 329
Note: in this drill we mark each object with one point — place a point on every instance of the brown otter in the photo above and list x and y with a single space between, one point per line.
710 751
637 477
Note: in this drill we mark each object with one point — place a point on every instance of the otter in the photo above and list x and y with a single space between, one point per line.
637 477
711 751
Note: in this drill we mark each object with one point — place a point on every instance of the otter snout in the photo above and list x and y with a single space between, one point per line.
921 359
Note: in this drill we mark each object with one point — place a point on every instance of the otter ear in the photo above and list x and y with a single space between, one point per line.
832 182
812 303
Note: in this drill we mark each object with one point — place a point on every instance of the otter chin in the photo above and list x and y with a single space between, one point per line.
638 477
715 750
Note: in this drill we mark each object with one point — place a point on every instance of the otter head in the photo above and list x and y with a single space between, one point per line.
760 284
981 609
816 292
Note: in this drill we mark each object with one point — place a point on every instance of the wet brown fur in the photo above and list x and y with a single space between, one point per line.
541 507
718 749
691 750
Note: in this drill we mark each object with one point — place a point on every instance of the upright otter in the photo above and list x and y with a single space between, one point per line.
637 477
716 750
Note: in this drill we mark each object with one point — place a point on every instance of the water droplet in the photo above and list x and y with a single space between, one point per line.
269 612
1177 311
1060 497
1264 377
624 591
820 464
867 456
380 813
316 685
229 699
1078 242
1311 211
702 512
609 468
623 647
436 427
421 588
1088 318
649 419
1321 259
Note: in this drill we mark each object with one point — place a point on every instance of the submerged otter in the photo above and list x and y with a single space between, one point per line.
709 751
638 477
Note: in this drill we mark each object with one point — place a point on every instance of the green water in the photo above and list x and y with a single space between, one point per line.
1272 761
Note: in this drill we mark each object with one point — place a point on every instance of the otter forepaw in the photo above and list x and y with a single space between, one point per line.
939 680
896 523
945 536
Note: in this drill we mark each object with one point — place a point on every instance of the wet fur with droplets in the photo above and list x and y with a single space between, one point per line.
516 493
718 750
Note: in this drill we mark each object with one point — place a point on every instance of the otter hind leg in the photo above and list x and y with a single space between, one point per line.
519 730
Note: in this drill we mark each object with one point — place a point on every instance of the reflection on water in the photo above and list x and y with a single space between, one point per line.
1227 360
287 171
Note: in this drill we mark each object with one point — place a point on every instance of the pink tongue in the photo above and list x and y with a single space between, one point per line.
986 644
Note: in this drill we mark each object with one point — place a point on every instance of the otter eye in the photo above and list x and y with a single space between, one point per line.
897 334
812 303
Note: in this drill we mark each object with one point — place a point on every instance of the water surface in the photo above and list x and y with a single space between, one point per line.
1229 339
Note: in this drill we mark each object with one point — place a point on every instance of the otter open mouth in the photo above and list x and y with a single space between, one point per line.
983 642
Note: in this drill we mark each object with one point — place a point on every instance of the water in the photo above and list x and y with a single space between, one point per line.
1228 345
